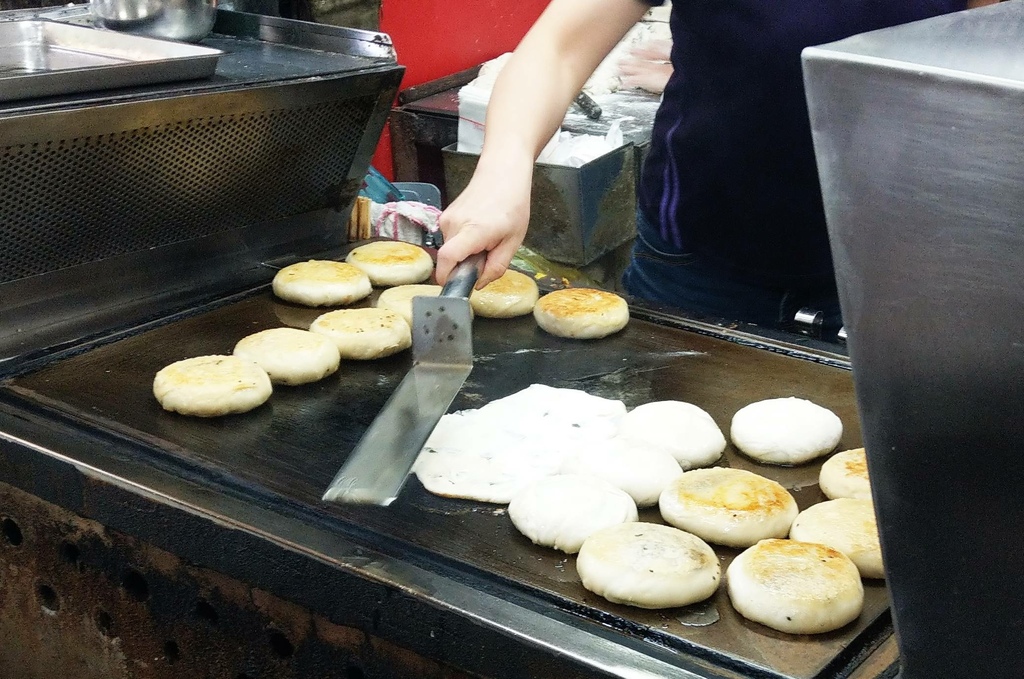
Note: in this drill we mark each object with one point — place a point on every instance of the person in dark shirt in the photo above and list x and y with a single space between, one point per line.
730 221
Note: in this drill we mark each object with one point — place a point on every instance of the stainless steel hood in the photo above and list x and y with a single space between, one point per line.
919 135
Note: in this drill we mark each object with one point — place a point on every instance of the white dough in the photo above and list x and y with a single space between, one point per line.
845 474
648 565
785 430
682 429
399 298
210 386
491 453
321 283
581 313
731 507
564 510
392 262
364 334
640 471
847 525
795 587
513 294
290 356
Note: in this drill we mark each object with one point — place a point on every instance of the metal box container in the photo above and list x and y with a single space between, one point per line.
577 214
919 136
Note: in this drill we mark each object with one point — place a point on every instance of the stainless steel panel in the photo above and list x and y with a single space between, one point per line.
41 58
920 144
132 203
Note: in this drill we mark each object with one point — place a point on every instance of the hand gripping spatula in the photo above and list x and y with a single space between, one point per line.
442 351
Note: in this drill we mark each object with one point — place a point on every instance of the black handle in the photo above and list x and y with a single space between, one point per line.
463 277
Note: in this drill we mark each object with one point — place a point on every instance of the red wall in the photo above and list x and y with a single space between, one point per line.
435 38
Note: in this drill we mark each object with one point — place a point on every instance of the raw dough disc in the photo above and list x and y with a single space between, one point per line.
210 386
648 565
491 453
392 262
321 283
847 525
640 471
795 587
399 298
845 474
581 313
731 507
364 334
564 510
514 294
290 356
682 429
785 430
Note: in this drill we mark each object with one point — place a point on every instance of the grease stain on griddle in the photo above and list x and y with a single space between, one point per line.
699 615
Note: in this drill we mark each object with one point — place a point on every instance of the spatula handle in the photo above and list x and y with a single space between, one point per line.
463 277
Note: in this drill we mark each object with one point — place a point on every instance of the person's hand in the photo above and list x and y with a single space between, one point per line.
490 215
647 67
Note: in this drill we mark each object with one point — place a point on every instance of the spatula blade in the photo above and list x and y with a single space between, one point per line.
443 358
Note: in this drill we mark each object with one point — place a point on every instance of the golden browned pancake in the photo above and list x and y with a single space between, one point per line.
321 283
795 587
210 386
845 474
648 565
581 313
513 294
364 334
289 355
730 507
392 262
846 524
399 298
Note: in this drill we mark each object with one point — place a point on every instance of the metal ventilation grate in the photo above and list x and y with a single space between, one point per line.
71 201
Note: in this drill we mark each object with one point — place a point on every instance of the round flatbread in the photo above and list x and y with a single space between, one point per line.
290 356
581 313
682 429
321 283
640 471
847 525
845 474
399 298
513 294
392 262
562 511
785 430
795 587
648 565
731 507
364 334
210 386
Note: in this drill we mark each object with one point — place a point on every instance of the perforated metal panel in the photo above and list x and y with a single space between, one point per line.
80 199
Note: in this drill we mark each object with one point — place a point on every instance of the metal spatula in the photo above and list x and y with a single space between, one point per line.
442 350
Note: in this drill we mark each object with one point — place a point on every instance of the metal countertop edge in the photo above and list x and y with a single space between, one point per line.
584 648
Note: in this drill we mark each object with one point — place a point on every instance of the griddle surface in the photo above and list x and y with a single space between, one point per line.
291 447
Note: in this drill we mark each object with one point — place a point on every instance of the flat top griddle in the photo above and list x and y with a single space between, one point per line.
290 448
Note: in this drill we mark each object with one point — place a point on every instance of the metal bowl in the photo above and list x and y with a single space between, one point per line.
189 20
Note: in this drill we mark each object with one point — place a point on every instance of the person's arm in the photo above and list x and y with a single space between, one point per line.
529 101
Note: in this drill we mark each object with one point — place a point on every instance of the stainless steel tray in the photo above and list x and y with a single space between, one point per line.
40 58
